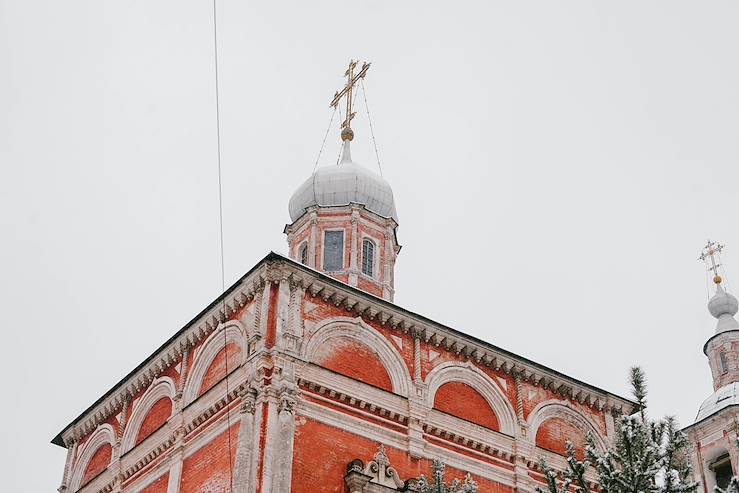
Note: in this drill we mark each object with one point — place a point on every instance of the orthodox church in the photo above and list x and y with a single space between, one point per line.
305 377
713 435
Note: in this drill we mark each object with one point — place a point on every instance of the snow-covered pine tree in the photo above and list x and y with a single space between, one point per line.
645 456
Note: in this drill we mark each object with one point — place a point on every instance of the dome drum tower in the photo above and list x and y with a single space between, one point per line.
348 242
714 434
344 221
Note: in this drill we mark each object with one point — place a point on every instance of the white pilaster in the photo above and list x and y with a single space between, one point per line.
246 454
312 240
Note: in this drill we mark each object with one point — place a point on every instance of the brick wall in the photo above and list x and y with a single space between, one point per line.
156 417
462 401
207 470
322 453
158 486
99 461
355 360
217 369
553 433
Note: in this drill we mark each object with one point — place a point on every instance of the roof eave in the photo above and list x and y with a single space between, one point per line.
624 402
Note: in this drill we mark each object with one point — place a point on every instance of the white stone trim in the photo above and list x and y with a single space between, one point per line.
102 435
357 303
321 378
356 328
161 387
469 374
235 333
562 410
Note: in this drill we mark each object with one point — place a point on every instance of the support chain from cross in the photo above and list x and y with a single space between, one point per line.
348 91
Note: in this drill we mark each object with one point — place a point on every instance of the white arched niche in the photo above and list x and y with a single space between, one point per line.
104 434
472 376
235 333
563 410
159 388
357 329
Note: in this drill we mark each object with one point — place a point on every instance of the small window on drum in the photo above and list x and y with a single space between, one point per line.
722 361
333 251
368 258
303 254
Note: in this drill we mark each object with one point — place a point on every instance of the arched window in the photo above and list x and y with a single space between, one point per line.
721 467
722 360
368 257
303 254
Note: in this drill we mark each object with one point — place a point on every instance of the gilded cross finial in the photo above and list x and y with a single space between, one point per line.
710 255
348 91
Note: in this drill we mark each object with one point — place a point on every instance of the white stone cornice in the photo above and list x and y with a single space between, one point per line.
367 306
357 303
165 357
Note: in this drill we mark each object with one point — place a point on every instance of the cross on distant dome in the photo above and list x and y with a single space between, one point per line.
351 80
710 256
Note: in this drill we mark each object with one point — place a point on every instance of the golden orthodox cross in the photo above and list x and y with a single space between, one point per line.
710 256
347 91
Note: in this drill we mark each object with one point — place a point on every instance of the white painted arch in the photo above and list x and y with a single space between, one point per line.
357 330
102 435
161 387
236 333
469 374
563 410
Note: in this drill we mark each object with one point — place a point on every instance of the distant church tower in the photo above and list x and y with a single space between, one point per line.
344 221
714 432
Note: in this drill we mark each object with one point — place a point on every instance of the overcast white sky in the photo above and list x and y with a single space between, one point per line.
557 167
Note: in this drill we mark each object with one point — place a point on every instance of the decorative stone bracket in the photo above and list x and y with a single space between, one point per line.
378 476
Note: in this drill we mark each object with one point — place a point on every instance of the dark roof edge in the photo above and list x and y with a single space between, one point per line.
57 440
474 339
705 346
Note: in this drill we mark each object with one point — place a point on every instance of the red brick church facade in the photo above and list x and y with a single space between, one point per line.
305 377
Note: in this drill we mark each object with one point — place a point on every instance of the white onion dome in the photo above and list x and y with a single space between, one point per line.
344 184
724 306
726 396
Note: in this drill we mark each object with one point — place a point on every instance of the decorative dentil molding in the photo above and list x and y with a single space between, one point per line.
359 304
234 300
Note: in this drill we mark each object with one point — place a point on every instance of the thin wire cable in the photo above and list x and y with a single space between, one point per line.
341 147
220 224
328 129
372 130
723 271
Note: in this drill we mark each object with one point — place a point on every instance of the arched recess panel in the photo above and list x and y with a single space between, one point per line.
156 417
217 369
554 432
462 401
99 461
353 359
